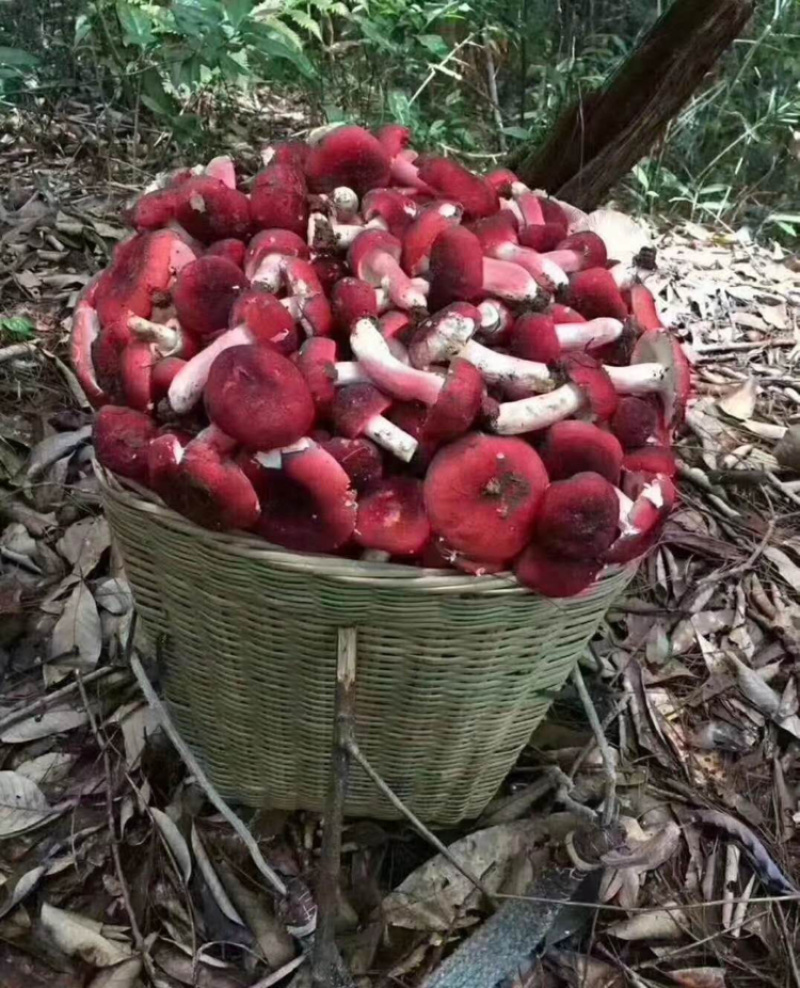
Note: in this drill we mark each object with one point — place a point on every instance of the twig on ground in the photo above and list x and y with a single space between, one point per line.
491 82
789 944
740 911
744 567
564 786
415 822
202 779
609 761
782 488
732 855
18 350
102 744
327 967
40 706
281 973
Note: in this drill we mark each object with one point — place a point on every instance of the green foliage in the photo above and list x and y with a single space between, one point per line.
427 64
16 329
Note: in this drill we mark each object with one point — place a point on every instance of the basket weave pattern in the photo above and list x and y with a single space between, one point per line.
454 672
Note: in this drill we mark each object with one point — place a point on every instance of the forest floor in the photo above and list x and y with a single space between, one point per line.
115 869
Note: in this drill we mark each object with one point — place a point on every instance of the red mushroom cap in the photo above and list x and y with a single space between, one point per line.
231 249
395 209
308 504
421 234
85 330
258 397
394 138
643 308
164 455
643 525
273 242
594 293
634 421
360 459
348 156
208 210
501 180
564 314
352 299
330 270
458 404
456 267
279 205
207 486
553 213
482 494
651 461
542 237
204 294
154 210
121 438
164 372
533 337
292 152
572 447
452 180
391 517
578 518
660 346
354 406
316 361
553 576
265 317
589 245
136 374
495 231
590 375
281 175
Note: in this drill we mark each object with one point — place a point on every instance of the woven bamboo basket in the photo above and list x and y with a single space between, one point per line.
453 671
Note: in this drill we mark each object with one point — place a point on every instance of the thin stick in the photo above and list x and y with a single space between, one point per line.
102 744
779 486
203 781
732 855
744 567
491 81
415 822
435 68
602 743
40 706
740 911
762 344
17 350
789 946
327 967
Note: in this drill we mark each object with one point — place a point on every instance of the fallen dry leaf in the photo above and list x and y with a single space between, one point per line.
79 936
741 402
22 804
698 977
174 840
660 924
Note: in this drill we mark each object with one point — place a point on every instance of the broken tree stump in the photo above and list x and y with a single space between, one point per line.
598 140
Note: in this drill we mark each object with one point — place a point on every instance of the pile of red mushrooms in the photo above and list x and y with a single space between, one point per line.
380 354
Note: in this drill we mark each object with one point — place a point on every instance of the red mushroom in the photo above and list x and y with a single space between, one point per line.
391 517
278 200
316 361
578 518
264 321
593 292
358 411
136 375
231 249
272 242
85 331
121 438
482 494
498 238
514 375
258 397
204 294
395 139
329 270
536 336
589 390
454 401
222 168
579 251
572 447
634 421
352 299
421 234
501 180
643 308
208 210
459 270
202 482
444 334
292 152
348 156
168 338
642 522
395 210
659 366
374 257
307 503
360 459
453 181
651 461
549 574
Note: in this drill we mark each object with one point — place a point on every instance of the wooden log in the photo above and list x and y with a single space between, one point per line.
597 141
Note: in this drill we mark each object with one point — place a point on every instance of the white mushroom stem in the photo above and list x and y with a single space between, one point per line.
625 508
350 372
441 337
386 371
167 337
638 378
537 412
325 232
272 459
187 386
391 437
345 200
507 371
508 281
269 273
624 275
594 333
547 274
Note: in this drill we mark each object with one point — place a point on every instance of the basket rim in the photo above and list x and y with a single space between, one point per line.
353 571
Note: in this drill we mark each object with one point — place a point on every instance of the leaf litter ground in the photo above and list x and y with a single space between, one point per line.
117 871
